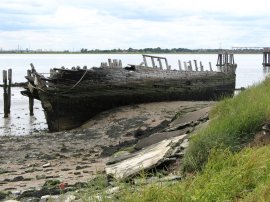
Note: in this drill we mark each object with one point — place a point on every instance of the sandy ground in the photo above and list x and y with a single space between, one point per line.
75 156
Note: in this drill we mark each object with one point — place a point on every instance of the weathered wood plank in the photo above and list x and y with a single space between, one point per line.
188 119
145 159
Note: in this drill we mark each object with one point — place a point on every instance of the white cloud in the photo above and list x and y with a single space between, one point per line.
111 24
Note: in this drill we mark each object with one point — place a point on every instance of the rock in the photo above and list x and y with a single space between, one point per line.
17 179
147 158
112 190
16 193
50 198
81 167
69 198
11 201
46 165
77 173
40 177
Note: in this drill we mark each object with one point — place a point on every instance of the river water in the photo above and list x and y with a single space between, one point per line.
249 71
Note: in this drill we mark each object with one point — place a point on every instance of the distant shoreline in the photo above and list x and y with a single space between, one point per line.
137 51
64 53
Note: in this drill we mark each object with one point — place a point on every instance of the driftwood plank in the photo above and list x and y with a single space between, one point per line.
145 159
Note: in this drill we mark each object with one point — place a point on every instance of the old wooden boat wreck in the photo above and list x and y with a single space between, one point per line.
70 97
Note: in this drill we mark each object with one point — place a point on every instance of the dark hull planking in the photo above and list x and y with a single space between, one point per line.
71 109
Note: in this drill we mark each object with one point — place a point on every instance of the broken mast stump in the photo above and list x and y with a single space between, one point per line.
5 94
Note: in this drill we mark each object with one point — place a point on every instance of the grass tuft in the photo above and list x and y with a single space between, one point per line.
234 122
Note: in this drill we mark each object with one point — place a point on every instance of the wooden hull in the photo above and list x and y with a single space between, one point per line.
71 108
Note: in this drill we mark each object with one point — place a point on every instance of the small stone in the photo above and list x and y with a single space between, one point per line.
49 198
85 171
112 190
70 198
77 173
17 178
40 177
46 165
16 193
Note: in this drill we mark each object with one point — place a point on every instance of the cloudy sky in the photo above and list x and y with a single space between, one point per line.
109 24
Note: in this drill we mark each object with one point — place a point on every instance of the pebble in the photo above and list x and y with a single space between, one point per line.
40 177
18 178
46 165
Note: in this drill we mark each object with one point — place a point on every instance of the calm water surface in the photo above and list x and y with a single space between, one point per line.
249 72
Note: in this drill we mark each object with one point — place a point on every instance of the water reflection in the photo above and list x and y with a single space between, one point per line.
19 121
266 70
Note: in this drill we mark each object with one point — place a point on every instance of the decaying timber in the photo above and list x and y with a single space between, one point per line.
159 148
144 159
70 97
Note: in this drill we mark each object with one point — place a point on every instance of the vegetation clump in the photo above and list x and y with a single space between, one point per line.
234 122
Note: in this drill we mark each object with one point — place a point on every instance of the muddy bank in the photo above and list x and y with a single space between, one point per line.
27 162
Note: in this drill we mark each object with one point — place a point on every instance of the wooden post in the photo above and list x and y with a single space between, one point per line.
190 66
167 64
201 66
145 61
210 66
185 64
120 63
160 63
196 67
153 62
5 94
110 62
115 63
179 64
9 88
31 106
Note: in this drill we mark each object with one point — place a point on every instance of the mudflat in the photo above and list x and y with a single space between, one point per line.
26 162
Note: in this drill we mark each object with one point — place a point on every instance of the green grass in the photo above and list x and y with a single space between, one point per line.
234 122
243 176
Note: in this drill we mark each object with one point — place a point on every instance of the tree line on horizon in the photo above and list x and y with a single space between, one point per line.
167 50
143 50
